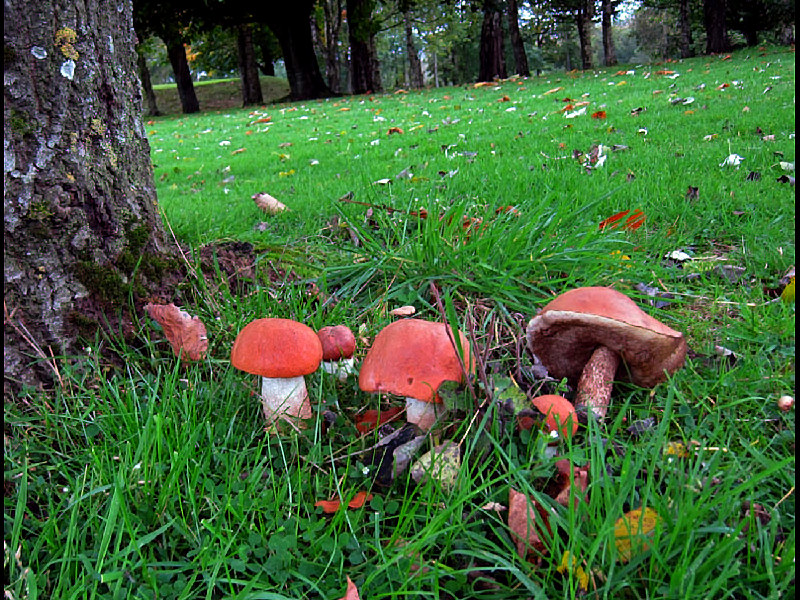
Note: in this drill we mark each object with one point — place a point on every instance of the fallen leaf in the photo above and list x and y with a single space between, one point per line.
732 160
634 220
268 204
394 130
600 114
527 520
403 311
570 565
331 506
186 334
571 483
633 531
442 463
352 591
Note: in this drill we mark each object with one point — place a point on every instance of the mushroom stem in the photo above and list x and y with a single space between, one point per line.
423 414
597 379
285 397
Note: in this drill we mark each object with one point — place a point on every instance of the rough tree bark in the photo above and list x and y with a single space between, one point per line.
79 198
520 58
248 67
332 10
492 60
609 51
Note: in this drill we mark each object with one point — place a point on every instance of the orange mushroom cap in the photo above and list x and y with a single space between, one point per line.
412 358
338 342
560 413
277 348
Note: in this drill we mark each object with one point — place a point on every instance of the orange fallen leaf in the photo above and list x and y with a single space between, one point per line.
186 334
372 419
352 591
633 531
600 114
238 151
722 86
331 506
394 130
262 120
526 521
632 223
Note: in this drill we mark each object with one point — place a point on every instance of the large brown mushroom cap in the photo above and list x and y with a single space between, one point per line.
568 330
277 348
412 358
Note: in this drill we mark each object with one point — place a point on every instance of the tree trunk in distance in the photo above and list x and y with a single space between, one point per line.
685 26
289 21
609 52
715 13
414 64
583 20
492 51
183 76
333 27
520 58
147 85
248 68
363 55
81 214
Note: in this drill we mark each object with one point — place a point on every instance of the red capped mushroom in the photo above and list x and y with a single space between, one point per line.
282 352
338 346
588 333
412 358
560 414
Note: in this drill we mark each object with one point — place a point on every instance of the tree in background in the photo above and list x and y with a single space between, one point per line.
168 22
248 66
715 14
607 9
518 47
492 59
362 27
82 227
415 79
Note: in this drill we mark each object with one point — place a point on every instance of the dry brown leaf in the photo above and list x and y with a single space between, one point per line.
185 333
526 520
268 204
403 311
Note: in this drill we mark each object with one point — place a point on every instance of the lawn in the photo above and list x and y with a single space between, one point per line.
476 205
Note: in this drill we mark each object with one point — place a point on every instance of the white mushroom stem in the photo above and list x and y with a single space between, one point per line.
341 368
423 414
597 379
285 397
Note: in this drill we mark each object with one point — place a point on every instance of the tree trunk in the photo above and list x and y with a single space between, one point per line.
333 27
520 58
363 55
248 68
183 76
492 60
414 64
289 22
79 198
685 26
583 19
147 85
609 52
715 13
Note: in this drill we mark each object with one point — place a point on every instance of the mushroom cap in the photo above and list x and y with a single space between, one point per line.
338 342
560 413
276 348
566 332
412 358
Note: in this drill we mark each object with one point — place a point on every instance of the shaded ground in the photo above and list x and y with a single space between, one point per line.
220 95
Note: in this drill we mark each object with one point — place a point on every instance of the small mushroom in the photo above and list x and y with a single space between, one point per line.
588 333
412 358
559 414
338 346
281 351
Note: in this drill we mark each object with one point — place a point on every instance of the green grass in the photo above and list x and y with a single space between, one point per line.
158 480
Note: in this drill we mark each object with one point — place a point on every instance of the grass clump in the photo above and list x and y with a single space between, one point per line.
157 480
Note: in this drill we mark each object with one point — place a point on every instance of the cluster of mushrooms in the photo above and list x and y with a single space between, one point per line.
592 336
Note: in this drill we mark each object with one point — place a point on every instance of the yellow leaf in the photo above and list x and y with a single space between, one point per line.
568 563
632 530
787 295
